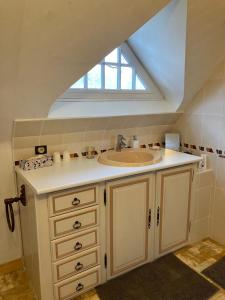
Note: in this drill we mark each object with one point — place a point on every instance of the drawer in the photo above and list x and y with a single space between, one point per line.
75 264
74 286
75 243
73 222
72 200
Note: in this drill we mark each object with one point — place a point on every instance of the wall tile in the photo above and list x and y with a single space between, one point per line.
206 178
23 153
27 128
221 132
58 135
219 204
25 142
76 125
203 199
211 126
52 127
199 230
213 95
193 129
69 138
218 230
53 139
220 173
203 124
98 124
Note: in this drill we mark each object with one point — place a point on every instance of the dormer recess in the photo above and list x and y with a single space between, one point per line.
154 55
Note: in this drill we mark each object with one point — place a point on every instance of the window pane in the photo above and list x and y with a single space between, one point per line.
126 78
94 78
123 60
139 85
79 84
112 57
110 77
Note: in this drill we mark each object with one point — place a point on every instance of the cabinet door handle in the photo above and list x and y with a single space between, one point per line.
158 215
149 218
78 246
79 266
79 287
77 225
75 201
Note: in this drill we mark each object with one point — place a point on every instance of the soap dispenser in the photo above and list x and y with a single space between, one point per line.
134 142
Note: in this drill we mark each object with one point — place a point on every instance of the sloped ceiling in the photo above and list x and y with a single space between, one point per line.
181 46
46 45
205 47
161 47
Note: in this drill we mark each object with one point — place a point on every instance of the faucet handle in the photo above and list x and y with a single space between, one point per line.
121 142
121 138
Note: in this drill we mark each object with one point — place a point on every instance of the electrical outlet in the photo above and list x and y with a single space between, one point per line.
41 149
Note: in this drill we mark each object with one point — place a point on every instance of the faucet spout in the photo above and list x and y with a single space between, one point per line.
121 142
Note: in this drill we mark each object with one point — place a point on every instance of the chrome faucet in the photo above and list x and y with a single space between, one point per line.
121 144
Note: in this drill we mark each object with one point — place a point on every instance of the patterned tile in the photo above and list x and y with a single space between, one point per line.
218 296
92 295
15 286
202 254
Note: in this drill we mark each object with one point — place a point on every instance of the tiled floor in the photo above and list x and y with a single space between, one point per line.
14 286
202 255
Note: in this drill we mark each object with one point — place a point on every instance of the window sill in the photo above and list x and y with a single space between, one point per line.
75 95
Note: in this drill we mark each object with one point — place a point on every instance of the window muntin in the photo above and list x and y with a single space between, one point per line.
113 73
95 87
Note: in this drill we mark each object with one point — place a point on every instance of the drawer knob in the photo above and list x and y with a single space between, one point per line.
76 225
79 266
75 201
79 287
78 246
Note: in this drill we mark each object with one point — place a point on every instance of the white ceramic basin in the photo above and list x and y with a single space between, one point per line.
131 157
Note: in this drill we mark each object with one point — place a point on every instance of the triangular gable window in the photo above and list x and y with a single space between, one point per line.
114 72
119 76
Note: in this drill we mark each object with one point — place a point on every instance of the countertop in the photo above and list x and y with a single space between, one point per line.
82 171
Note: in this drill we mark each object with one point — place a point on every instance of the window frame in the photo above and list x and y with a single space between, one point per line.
151 93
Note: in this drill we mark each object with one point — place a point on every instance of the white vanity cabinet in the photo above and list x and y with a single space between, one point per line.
130 235
76 239
63 241
147 217
173 208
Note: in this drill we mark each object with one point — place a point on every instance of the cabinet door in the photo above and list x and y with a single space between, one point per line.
173 200
129 223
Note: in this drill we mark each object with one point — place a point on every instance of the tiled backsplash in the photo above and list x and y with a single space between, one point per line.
203 195
77 142
75 135
203 125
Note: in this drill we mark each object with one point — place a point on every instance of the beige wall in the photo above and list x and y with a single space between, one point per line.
75 135
202 200
10 248
161 47
203 124
45 46
205 44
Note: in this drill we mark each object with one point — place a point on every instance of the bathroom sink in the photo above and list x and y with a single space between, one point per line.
131 157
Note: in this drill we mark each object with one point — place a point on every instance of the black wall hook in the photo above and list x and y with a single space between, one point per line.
9 207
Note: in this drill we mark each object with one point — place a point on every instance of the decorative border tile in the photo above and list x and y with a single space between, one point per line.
204 149
83 154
